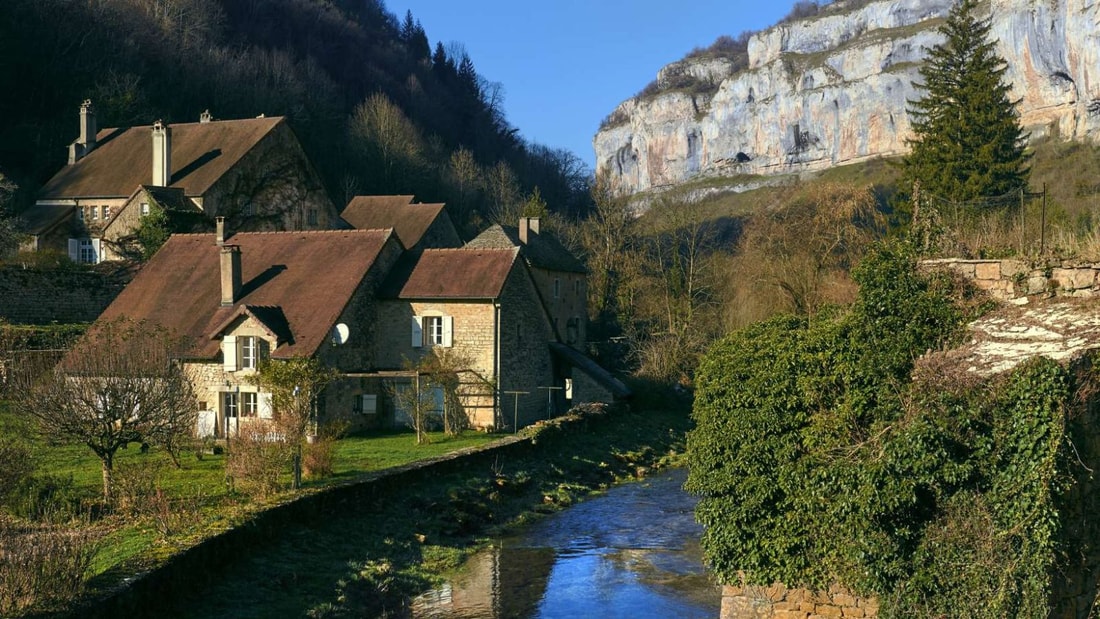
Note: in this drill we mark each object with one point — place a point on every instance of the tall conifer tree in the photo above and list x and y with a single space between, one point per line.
967 143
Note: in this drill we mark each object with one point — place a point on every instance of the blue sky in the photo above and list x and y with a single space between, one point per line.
566 64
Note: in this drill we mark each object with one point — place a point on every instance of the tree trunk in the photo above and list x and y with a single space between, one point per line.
107 465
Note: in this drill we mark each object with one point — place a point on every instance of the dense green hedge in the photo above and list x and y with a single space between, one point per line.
820 461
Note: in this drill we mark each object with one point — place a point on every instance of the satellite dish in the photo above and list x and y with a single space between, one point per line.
340 334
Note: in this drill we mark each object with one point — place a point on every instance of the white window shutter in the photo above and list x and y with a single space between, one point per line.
417 331
448 330
96 248
229 352
74 250
266 411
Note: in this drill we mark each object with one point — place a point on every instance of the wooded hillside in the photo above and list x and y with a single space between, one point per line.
377 108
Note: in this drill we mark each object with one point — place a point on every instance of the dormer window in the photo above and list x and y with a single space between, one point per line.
250 352
243 352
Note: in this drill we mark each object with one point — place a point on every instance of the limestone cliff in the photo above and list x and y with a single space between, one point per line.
833 89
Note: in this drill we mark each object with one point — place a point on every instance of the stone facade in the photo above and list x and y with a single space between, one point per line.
505 339
564 294
779 602
273 187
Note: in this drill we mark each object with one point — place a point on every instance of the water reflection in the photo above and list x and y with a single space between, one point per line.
631 553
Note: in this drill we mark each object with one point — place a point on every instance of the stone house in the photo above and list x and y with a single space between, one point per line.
253 172
251 296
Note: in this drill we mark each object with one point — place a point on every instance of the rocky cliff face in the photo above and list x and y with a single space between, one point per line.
833 89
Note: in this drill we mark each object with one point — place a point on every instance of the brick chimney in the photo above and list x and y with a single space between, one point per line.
162 154
528 228
231 274
88 129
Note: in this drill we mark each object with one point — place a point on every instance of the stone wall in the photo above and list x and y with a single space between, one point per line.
779 602
44 296
1017 281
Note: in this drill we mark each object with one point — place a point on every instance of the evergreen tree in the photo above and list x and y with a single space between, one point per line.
967 141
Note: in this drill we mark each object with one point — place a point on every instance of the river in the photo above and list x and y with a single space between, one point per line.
632 552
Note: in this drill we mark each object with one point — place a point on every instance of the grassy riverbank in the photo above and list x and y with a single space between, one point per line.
370 558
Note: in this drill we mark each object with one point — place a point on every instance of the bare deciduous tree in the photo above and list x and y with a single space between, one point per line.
295 385
121 384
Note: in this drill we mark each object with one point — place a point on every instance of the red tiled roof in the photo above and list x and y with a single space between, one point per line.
453 274
410 221
308 276
123 159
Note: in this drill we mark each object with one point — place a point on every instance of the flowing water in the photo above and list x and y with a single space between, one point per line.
633 552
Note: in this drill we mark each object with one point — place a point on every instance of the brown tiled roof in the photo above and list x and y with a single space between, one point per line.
123 159
39 219
542 251
452 274
410 221
309 276
170 198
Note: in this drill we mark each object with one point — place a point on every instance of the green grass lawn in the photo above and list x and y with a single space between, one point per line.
200 484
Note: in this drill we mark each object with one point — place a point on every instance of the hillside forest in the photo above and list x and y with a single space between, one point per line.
377 107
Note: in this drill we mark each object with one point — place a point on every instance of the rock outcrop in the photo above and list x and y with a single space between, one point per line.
834 89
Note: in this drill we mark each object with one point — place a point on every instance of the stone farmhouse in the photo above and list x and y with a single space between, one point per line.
253 172
364 304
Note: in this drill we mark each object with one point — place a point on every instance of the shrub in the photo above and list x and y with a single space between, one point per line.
45 498
42 568
258 458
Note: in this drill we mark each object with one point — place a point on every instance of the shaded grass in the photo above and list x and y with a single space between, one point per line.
129 545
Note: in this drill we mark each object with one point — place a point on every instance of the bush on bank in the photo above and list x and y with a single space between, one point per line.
823 458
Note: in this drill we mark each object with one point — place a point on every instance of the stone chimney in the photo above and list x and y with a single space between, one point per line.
528 228
206 117
162 154
88 129
231 274
220 234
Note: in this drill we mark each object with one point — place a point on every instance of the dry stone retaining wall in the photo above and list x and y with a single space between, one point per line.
779 602
1016 280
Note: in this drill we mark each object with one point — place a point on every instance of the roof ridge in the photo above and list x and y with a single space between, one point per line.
372 231
197 122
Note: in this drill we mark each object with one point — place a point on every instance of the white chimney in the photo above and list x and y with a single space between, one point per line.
162 154
220 235
88 129
206 117
528 228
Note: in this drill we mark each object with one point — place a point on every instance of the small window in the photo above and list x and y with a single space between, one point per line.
577 287
144 209
313 217
250 404
80 214
250 352
95 212
433 330
202 405
106 212
366 404
557 288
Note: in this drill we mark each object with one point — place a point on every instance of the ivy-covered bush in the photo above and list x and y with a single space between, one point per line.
823 456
